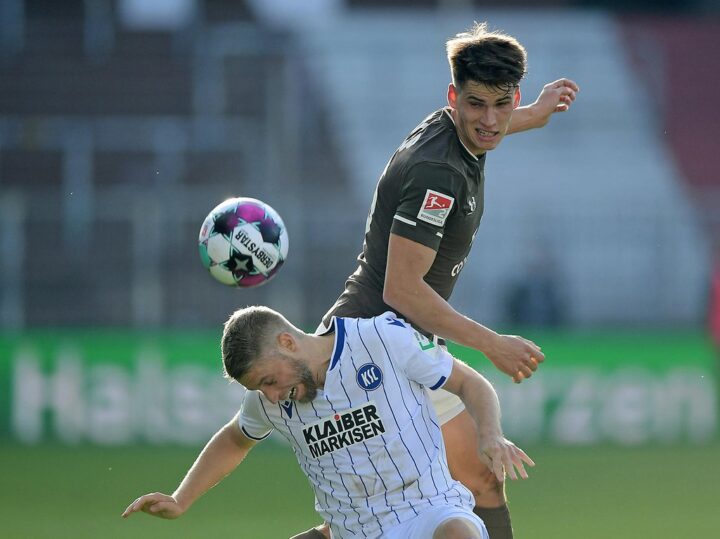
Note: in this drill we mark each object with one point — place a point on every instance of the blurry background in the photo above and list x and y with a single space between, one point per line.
123 122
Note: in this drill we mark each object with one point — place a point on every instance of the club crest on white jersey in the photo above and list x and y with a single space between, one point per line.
369 377
343 429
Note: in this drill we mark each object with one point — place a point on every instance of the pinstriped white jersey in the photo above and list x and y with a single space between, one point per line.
370 442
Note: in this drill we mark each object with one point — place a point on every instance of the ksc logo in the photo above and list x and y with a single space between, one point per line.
369 376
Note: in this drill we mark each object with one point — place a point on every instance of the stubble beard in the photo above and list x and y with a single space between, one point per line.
307 380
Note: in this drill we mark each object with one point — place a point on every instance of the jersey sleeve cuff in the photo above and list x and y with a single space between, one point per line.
447 363
416 231
252 437
439 384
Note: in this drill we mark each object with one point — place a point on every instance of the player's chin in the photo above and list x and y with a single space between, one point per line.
306 395
488 143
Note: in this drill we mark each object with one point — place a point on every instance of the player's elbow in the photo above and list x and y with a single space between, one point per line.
394 295
399 294
389 295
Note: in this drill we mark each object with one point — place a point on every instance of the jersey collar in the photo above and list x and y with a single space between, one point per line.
337 325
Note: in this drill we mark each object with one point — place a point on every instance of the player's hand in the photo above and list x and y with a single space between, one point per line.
501 456
155 504
555 96
515 356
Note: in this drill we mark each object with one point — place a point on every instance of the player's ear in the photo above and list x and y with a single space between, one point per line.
286 342
452 95
516 98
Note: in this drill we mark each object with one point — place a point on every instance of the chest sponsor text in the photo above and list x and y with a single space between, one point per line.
343 429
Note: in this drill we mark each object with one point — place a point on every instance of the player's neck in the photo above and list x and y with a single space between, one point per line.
320 350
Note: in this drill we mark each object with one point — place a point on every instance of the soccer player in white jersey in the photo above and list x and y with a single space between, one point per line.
352 403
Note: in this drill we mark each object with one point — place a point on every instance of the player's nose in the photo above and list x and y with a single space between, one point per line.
489 118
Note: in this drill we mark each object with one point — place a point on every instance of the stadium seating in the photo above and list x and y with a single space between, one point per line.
120 145
595 195
107 135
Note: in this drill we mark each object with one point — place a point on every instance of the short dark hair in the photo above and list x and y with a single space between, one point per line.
247 335
487 57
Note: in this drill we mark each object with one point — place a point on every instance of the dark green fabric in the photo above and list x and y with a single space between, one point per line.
497 521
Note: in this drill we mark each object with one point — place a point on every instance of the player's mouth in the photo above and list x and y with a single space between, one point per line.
486 135
293 392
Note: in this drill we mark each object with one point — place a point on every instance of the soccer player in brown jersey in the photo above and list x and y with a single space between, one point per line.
422 222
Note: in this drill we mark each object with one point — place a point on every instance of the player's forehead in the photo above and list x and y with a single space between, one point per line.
259 373
483 92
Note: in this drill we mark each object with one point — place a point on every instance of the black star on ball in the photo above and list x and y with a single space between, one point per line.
240 263
224 223
270 231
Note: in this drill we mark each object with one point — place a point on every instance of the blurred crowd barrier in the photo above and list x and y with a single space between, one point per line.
117 137
120 388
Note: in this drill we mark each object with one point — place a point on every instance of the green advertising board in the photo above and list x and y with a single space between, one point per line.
117 388
114 387
624 388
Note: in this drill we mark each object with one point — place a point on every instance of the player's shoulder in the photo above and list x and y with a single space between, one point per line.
392 325
379 321
438 168
252 402
437 143
390 318
401 335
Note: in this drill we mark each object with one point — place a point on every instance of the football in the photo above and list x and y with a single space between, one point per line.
243 242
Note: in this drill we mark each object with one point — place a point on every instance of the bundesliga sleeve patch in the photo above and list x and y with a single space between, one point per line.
435 208
424 342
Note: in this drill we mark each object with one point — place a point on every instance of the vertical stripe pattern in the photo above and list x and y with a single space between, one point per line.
370 442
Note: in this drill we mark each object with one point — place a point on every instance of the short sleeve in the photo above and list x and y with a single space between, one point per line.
428 197
419 358
252 419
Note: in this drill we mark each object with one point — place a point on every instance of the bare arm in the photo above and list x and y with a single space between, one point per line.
222 454
405 290
555 97
481 401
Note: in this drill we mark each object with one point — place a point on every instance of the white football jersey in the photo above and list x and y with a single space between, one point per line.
369 442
